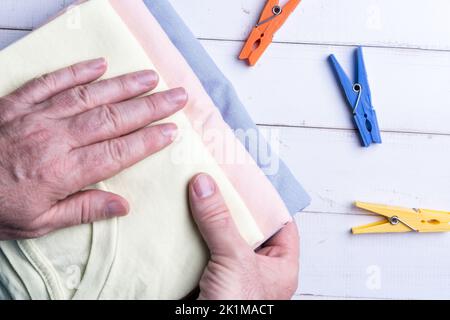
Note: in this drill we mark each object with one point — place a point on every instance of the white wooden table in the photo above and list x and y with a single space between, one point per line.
293 89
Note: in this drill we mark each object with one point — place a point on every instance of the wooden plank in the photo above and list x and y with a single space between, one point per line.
400 23
406 170
404 100
336 263
294 85
374 23
25 14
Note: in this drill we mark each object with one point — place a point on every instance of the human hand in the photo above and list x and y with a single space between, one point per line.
235 271
61 133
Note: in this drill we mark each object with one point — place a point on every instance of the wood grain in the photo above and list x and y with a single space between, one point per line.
385 23
409 87
406 170
336 263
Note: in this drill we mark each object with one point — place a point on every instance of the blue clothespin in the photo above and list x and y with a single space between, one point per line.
359 99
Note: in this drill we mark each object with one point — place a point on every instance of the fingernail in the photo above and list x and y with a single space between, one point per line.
204 186
97 64
116 208
177 96
169 130
147 78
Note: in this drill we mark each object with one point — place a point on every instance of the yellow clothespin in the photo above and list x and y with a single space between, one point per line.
404 220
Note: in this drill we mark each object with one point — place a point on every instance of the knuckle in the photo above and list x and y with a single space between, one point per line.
74 73
82 95
36 173
58 170
85 213
124 84
45 174
34 130
39 137
47 80
151 104
216 213
117 150
109 118
36 159
87 160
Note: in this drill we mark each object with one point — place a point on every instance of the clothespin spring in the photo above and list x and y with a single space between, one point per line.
357 88
396 220
276 10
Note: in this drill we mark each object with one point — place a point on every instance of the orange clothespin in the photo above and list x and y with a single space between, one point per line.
399 219
272 18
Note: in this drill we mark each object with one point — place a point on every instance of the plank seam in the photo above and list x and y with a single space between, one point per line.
324 44
327 44
348 129
340 213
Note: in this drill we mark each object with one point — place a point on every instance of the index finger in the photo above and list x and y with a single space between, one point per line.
43 88
286 239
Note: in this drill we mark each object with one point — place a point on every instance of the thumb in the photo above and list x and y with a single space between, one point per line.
214 219
85 207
